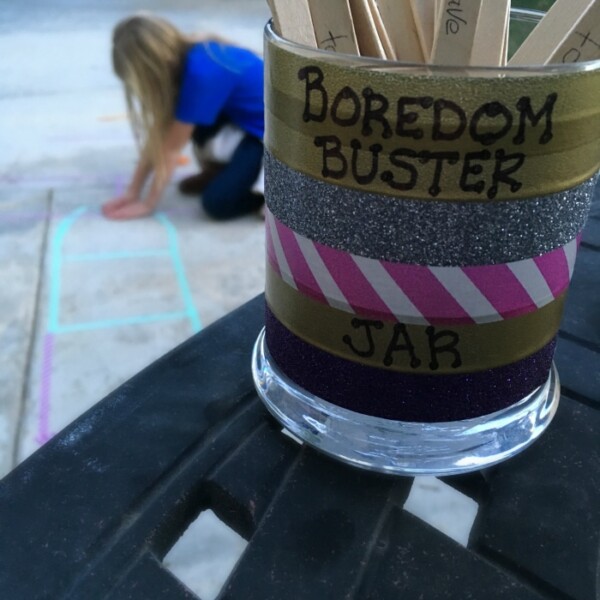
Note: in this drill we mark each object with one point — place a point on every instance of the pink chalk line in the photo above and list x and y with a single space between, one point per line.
119 185
43 431
64 179
29 217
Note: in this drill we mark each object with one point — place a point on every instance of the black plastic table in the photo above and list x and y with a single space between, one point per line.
91 514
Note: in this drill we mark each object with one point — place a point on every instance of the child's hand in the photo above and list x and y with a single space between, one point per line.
117 203
126 209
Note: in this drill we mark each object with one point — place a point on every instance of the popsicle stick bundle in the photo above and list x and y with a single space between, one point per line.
448 32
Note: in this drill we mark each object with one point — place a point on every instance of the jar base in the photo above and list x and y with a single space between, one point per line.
400 447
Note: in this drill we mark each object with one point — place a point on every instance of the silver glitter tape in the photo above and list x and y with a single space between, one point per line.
435 233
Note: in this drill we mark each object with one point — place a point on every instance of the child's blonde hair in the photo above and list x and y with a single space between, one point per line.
148 54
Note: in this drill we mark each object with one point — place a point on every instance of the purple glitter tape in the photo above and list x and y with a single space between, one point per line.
399 396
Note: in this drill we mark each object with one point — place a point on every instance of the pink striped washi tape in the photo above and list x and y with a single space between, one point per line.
418 294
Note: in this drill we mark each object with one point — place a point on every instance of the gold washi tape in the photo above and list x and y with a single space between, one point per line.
429 135
411 348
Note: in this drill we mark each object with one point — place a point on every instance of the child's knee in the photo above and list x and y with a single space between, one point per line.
214 206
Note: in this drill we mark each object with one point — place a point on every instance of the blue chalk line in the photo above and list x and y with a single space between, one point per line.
111 323
180 271
55 264
56 260
92 256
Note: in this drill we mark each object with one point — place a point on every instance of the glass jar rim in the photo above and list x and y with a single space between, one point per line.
475 70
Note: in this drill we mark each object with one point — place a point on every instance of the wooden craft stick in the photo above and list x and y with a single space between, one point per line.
276 23
402 30
384 38
438 10
583 41
506 43
366 32
424 17
293 22
334 29
545 41
490 37
456 28
435 26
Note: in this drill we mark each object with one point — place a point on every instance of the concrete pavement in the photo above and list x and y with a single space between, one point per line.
86 303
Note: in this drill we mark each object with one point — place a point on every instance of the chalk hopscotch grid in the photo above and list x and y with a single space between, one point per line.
55 328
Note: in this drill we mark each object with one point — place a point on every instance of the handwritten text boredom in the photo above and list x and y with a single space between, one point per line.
490 170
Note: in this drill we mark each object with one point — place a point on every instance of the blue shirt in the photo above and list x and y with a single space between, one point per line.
223 80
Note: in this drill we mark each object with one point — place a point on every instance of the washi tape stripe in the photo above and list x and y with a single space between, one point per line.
403 396
466 293
304 278
327 284
571 254
532 280
501 288
553 268
278 255
411 231
269 243
406 347
393 296
349 277
427 292
415 294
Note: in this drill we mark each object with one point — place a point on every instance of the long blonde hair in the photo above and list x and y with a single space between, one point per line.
148 55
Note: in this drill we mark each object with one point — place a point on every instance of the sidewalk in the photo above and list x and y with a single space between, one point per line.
87 303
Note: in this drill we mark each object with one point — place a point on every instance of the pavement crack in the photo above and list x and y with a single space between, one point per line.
25 389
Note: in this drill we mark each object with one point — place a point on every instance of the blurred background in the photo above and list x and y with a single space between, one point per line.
534 4
90 302
86 303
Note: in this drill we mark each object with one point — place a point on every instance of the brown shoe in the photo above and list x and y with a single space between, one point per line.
195 184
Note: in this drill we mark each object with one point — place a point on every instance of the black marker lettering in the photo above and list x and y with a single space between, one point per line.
439 157
413 175
447 105
332 151
473 169
450 346
346 95
401 332
491 110
524 106
375 149
376 106
370 349
313 85
502 174
410 117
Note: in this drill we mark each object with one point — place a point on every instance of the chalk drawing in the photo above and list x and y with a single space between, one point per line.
111 323
93 256
56 260
55 266
52 181
180 271
43 432
26 217
119 185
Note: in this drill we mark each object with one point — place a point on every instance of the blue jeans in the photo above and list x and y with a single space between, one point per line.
228 195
